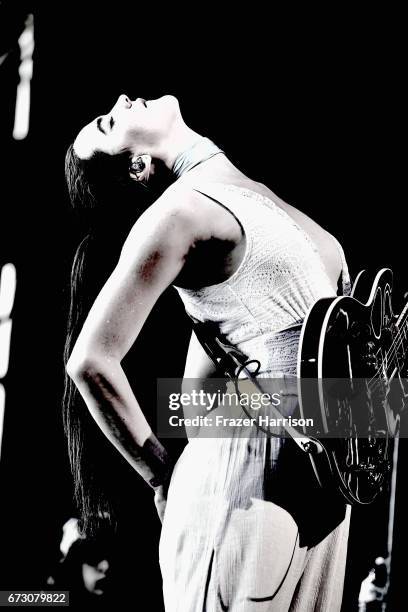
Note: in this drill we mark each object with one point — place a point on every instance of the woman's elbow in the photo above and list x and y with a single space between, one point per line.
82 368
74 368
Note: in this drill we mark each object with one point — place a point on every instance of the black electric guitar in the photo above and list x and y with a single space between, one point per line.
352 364
351 350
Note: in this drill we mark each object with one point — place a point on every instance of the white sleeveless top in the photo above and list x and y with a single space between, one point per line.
260 307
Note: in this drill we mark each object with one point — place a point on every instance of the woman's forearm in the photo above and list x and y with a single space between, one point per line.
111 401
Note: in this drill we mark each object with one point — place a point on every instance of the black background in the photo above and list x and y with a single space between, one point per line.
309 104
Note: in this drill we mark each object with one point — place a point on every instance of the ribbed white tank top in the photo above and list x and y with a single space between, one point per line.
260 307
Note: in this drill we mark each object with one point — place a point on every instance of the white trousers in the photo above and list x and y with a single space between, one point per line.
228 544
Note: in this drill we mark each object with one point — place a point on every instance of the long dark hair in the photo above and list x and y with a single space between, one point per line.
109 203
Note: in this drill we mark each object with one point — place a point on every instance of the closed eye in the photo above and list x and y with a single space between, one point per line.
99 125
111 122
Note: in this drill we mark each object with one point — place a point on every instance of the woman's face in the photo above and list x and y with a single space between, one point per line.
135 126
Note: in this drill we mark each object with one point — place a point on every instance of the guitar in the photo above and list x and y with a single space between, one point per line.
351 349
357 343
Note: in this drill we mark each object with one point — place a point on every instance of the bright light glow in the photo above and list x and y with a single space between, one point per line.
22 113
8 279
2 402
5 335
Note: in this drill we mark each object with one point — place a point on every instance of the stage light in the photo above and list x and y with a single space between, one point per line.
22 112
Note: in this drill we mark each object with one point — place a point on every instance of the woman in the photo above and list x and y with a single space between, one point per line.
245 527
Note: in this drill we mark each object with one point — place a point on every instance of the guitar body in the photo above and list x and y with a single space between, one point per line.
351 348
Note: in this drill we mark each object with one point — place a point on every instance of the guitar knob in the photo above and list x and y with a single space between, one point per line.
310 447
372 478
355 330
358 330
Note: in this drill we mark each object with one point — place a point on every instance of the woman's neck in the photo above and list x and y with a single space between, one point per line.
217 168
177 142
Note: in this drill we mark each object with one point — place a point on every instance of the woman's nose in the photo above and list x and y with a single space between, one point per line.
123 100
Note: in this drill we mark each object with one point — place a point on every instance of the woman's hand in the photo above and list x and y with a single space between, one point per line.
160 493
160 500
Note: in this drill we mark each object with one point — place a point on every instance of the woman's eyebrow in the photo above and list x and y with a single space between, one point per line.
99 125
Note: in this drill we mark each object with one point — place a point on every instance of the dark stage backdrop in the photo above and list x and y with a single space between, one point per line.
313 113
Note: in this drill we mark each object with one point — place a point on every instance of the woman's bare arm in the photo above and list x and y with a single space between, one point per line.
151 258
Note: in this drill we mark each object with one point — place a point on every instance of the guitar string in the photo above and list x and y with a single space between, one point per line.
396 343
389 360
391 354
398 338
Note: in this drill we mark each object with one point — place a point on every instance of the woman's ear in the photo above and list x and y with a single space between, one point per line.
141 168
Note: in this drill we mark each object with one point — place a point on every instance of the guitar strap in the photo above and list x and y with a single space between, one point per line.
227 359
231 362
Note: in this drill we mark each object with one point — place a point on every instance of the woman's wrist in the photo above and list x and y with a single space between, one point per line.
159 462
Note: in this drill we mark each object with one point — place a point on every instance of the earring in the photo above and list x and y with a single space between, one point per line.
140 168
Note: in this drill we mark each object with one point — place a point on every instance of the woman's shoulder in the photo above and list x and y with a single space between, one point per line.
176 202
176 218
187 203
177 198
